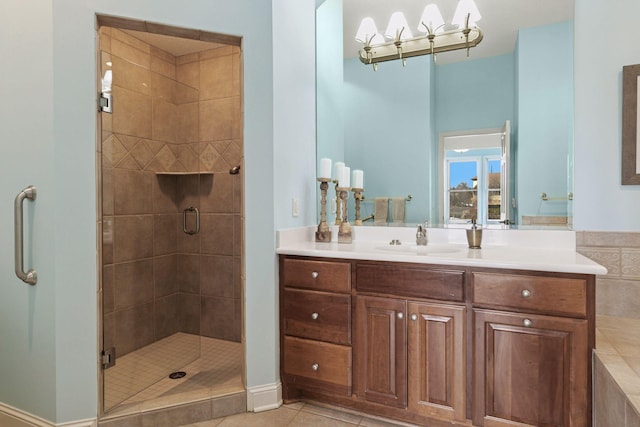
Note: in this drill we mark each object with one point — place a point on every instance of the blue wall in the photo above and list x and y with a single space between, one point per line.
388 128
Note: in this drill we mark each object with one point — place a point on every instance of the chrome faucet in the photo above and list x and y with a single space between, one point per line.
421 236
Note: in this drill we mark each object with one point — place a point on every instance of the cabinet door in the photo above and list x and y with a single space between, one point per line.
381 350
530 369
436 360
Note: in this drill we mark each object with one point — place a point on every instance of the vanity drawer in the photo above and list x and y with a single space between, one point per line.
319 362
551 295
317 275
418 282
317 315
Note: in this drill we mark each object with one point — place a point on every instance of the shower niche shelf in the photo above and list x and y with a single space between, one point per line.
185 173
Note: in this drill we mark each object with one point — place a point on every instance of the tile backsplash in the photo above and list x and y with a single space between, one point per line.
617 292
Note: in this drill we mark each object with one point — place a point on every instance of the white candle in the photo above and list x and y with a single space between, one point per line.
358 178
345 180
337 171
325 168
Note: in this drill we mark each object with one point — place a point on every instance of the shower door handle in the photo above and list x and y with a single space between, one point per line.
30 277
184 220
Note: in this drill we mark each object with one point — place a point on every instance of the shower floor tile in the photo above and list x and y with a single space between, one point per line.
216 372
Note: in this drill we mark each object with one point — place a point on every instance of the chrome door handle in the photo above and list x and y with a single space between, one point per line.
184 220
30 277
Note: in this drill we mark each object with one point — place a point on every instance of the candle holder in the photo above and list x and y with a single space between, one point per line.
324 233
338 211
344 231
357 195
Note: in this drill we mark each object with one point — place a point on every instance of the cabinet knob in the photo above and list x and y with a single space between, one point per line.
314 274
315 367
414 317
526 293
314 316
527 323
400 315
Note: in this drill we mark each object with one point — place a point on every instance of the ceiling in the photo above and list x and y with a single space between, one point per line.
500 21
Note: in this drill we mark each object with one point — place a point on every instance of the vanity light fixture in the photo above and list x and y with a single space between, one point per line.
464 34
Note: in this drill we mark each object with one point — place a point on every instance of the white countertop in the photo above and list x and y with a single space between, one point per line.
540 250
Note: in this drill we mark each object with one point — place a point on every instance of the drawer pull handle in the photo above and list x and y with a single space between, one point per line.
314 274
526 293
527 323
414 317
400 315
315 367
314 316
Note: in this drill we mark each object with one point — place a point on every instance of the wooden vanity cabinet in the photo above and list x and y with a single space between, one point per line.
531 366
411 354
315 324
439 345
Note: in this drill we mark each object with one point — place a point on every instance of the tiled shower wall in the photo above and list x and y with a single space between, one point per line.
173 117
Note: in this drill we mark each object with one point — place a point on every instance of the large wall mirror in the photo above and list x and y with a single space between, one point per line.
406 126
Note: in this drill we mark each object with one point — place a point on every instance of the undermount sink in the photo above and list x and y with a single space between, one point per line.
421 250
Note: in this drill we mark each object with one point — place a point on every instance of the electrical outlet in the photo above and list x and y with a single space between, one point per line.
294 207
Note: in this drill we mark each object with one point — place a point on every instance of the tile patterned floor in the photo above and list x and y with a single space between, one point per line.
213 367
301 415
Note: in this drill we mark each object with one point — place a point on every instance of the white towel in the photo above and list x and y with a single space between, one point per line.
381 210
397 209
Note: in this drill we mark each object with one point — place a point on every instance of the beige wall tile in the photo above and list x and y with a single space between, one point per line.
112 151
132 191
133 237
130 40
217 317
133 284
188 158
233 154
107 240
219 198
163 67
216 276
633 404
167 316
107 191
237 277
190 313
632 416
189 74
617 297
132 113
238 198
186 94
216 52
164 193
608 239
163 87
131 76
130 53
105 42
217 119
208 157
237 235
108 302
164 121
163 54
608 257
165 275
141 154
219 231
625 378
128 163
185 59
189 273
188 126
133 328
165 227
216 78
630 263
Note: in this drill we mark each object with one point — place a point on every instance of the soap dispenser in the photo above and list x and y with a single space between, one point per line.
474 235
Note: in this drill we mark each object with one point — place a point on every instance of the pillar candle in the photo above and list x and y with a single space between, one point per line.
358 178
337 171
345 180
325 168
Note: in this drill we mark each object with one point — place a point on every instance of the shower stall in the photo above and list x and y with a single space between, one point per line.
171 215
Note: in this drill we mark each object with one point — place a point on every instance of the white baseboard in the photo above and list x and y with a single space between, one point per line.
264 397
13 417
